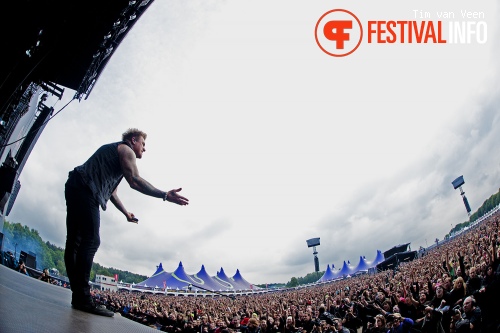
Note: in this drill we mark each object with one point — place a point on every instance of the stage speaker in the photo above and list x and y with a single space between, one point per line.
29 259
7 177
466 203
316 264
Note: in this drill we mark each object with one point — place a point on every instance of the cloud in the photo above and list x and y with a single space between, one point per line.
274 142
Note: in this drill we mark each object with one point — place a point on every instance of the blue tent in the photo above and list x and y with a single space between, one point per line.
205 281
378 259
199 281
175 280
158 279
362 265
224 280
241 283
328 275
345 270
179 279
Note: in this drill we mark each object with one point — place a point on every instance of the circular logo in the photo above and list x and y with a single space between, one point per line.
338 32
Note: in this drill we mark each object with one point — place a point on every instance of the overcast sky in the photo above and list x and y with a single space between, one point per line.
275 142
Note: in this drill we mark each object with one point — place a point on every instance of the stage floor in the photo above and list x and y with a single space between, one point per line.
30 305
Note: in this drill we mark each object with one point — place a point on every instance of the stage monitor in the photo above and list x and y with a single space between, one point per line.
312 242
458 182
29 259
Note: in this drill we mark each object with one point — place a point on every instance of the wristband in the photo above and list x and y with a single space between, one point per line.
165 196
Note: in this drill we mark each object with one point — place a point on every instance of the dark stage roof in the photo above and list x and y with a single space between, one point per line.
61 41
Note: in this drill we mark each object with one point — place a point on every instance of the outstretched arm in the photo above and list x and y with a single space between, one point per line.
131 174
119 205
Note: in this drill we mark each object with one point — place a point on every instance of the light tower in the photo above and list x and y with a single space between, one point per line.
313 242
457 183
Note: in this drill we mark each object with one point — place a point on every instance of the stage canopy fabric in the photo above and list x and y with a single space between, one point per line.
396 249
397 258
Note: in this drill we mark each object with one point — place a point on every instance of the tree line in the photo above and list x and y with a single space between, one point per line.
492 202
18 237
488 205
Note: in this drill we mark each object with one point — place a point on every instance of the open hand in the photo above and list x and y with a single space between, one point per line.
172 196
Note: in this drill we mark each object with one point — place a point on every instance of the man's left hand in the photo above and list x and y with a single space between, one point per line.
172 196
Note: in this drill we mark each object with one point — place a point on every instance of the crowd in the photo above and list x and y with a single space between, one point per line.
452 288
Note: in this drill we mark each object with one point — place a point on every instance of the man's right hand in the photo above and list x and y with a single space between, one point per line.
131 218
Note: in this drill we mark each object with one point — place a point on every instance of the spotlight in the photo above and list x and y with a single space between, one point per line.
122 30
107 52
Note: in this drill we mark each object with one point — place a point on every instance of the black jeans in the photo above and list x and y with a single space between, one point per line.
82 239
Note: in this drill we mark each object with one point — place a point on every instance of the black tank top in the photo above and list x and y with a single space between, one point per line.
102 172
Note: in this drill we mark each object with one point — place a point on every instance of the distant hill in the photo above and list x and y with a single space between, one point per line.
19 238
